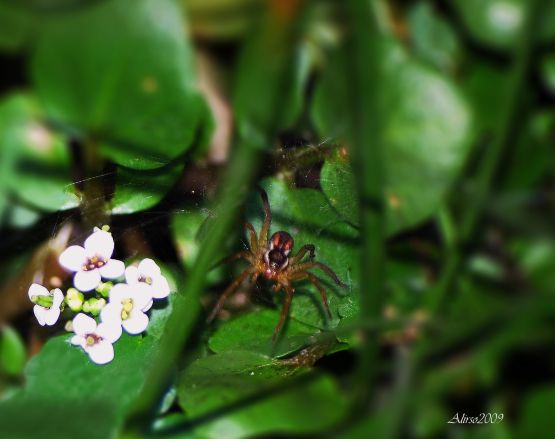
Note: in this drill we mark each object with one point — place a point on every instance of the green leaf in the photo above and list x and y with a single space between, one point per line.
223 19
124 76
15 24
498 23
425 149
62 375
12 352
548 72
532 157
485 88
253 333
254 398
187 228
140 190
432 38
262 95
36 164
535 418
21 216
309 218
46 418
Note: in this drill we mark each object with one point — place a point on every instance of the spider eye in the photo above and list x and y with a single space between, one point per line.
277 259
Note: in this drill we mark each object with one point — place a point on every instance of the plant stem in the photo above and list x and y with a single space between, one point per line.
186 308
490 164
255 129
367 145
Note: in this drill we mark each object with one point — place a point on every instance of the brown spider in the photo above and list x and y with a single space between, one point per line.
270 258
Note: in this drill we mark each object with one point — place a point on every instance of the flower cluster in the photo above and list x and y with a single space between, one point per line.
118 296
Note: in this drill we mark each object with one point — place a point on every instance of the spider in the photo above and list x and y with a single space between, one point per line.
272 260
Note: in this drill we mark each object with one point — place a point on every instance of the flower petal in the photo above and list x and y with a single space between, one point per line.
73 258
102 352
100 244
110 331
120 292
58 298
83 324
112 269
37 290
160 287
132 275
142 294
40 314
147 306
78 340
51 316
111 313
86 280
149 268
136 323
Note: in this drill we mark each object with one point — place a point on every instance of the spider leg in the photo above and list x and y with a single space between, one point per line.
284 311
229 290
304 249
265 230
323 267
253 240
245 254
314 280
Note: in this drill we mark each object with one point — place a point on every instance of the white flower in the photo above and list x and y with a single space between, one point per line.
93 261
148 274
47 304
127 306
96 340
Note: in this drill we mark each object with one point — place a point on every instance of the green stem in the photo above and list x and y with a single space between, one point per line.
254 133
186 307
491 162
367 145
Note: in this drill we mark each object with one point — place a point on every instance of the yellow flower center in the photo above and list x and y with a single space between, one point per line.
127 307
92 339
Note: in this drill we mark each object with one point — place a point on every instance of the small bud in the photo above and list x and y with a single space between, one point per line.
104 288
69 326
44 301
105 228
74 299
94 306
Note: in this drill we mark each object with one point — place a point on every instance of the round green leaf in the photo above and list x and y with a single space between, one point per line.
253 333
485 88
498 23
548 72
433 40
535 420
271 405
12 352
187 231
123 75
427 131
140 190
35 161
15 24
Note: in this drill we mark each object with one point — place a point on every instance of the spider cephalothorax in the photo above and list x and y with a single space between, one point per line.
271 258
276 257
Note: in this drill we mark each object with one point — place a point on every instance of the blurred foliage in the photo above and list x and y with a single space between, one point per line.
112 112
